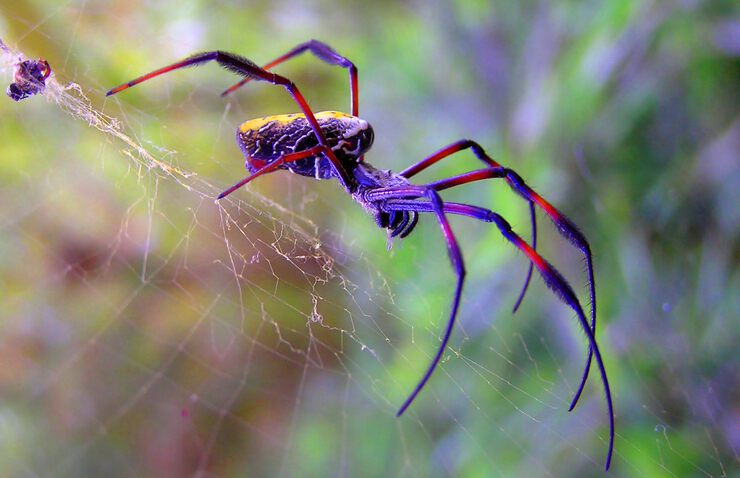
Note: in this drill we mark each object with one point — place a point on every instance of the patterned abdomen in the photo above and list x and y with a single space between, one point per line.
264 140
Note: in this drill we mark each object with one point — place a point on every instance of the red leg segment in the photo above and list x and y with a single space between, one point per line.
247 68
449 151
288 158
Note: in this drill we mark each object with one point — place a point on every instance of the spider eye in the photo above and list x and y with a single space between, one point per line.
366 139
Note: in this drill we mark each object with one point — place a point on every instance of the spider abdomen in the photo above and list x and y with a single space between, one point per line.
264 140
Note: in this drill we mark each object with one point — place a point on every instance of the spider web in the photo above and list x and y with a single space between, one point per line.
151 331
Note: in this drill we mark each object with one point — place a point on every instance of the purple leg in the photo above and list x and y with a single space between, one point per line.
248 69
566 228
453 249
554 280
481 155
325 53
533 219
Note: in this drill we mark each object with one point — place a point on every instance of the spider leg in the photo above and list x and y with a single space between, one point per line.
325 53
565 227
552 277
449 150
408 225
284 159
248 69
456 147
453 250
533 219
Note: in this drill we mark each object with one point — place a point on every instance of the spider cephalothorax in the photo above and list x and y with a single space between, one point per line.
368 179
331 145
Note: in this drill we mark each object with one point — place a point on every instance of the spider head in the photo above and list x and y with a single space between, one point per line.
350 136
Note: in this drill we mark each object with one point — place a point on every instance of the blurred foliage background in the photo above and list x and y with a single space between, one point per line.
147 331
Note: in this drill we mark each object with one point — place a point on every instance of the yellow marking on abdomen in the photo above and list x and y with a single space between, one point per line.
257 123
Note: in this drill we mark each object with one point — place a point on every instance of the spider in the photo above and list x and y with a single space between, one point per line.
331 144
